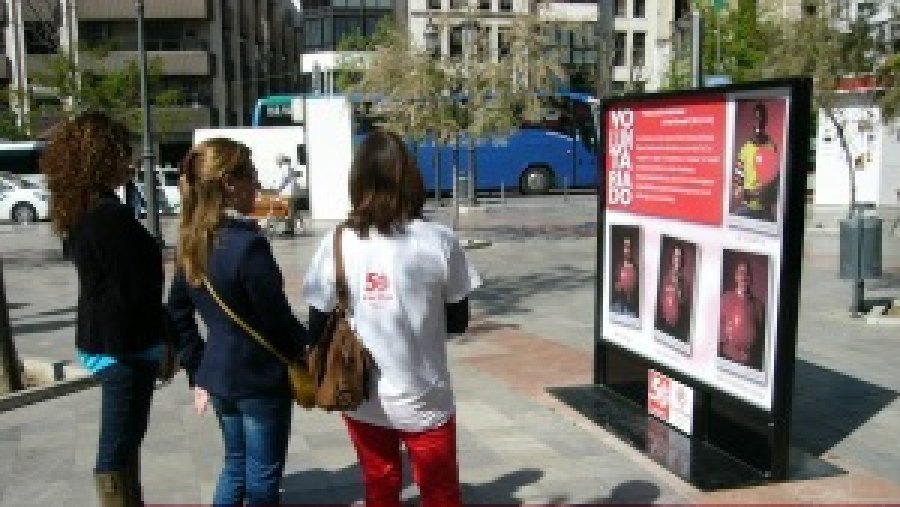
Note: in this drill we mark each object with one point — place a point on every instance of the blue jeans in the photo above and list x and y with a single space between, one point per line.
126 392
255 433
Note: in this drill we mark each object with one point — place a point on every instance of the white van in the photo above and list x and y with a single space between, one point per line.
20 158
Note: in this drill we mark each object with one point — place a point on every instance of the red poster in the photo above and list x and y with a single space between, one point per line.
664 158
658 395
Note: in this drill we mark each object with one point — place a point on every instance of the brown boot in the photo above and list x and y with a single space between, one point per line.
111 489
133 492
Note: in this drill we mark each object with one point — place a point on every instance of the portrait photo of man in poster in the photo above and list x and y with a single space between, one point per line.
742 318
757 168
624 276
675 294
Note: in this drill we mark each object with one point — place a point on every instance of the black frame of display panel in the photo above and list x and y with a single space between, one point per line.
719 418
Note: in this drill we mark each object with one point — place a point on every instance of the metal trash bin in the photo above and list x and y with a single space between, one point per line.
861 247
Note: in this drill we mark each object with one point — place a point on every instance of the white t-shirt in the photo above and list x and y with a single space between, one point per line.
399 287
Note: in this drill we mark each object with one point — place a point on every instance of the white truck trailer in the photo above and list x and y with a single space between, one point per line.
300 164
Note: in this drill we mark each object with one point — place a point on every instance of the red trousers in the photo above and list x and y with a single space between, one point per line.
432 454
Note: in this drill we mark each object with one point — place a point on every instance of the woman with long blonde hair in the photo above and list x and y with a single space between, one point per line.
220 249
120 285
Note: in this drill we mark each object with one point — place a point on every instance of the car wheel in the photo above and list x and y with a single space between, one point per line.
23 213
536 180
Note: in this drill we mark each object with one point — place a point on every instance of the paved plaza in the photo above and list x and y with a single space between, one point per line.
533 329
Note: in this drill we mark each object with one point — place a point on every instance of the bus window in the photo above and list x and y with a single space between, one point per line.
276 115
584 125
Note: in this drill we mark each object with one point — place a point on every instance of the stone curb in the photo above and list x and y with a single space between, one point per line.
61 379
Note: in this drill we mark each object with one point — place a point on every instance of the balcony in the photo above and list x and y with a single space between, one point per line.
155 9
173 63
38 62
182 119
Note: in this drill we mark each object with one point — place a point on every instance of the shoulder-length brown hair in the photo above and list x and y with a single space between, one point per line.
202 185
386 188
85 156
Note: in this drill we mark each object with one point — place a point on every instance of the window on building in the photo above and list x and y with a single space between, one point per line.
639 8
484 5
682 8
619 49
347 27
458 4
503 42
618 86
455 47
41 37
638 49
810 8
372 23
434 4
506 5
313 33
866 9
621 8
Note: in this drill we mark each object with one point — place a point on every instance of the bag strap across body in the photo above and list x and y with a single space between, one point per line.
243 325
342 289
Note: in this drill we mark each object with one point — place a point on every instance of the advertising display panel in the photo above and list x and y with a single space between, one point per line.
694 228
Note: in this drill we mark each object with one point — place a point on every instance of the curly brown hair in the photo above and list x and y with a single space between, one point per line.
85 156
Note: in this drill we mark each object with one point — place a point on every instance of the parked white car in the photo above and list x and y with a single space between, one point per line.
22 201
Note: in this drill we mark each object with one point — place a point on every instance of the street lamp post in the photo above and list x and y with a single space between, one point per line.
147 155
469 28
433 48
604 34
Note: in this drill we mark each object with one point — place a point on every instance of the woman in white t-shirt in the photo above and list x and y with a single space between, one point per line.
409 282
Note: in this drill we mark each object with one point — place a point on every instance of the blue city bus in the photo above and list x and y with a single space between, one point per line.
560 150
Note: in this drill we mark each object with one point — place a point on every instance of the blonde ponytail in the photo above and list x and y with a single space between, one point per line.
201 184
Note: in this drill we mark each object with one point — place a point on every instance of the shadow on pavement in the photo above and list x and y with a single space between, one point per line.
829 406
33 258
519 232
46 313
633 492
344 486
41 327
504 295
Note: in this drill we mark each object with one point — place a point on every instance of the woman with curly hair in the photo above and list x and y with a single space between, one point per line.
120 284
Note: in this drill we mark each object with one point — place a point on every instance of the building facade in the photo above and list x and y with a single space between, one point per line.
643 38
221 54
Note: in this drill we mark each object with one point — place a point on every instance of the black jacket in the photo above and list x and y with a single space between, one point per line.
230 363
120 281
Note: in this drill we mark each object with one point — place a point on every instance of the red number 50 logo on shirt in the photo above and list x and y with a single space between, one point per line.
377 282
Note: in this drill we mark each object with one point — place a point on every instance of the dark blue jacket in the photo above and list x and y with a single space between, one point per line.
230 363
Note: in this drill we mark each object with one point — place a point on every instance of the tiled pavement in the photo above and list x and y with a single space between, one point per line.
533 330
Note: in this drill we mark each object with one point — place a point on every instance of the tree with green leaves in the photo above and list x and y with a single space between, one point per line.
66 87
478 94
829 47
736 42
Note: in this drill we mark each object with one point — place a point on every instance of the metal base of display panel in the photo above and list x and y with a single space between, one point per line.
704 465
699 463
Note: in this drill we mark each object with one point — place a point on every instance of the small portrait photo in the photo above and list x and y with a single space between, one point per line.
743 314
675 293
625 275
757 168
